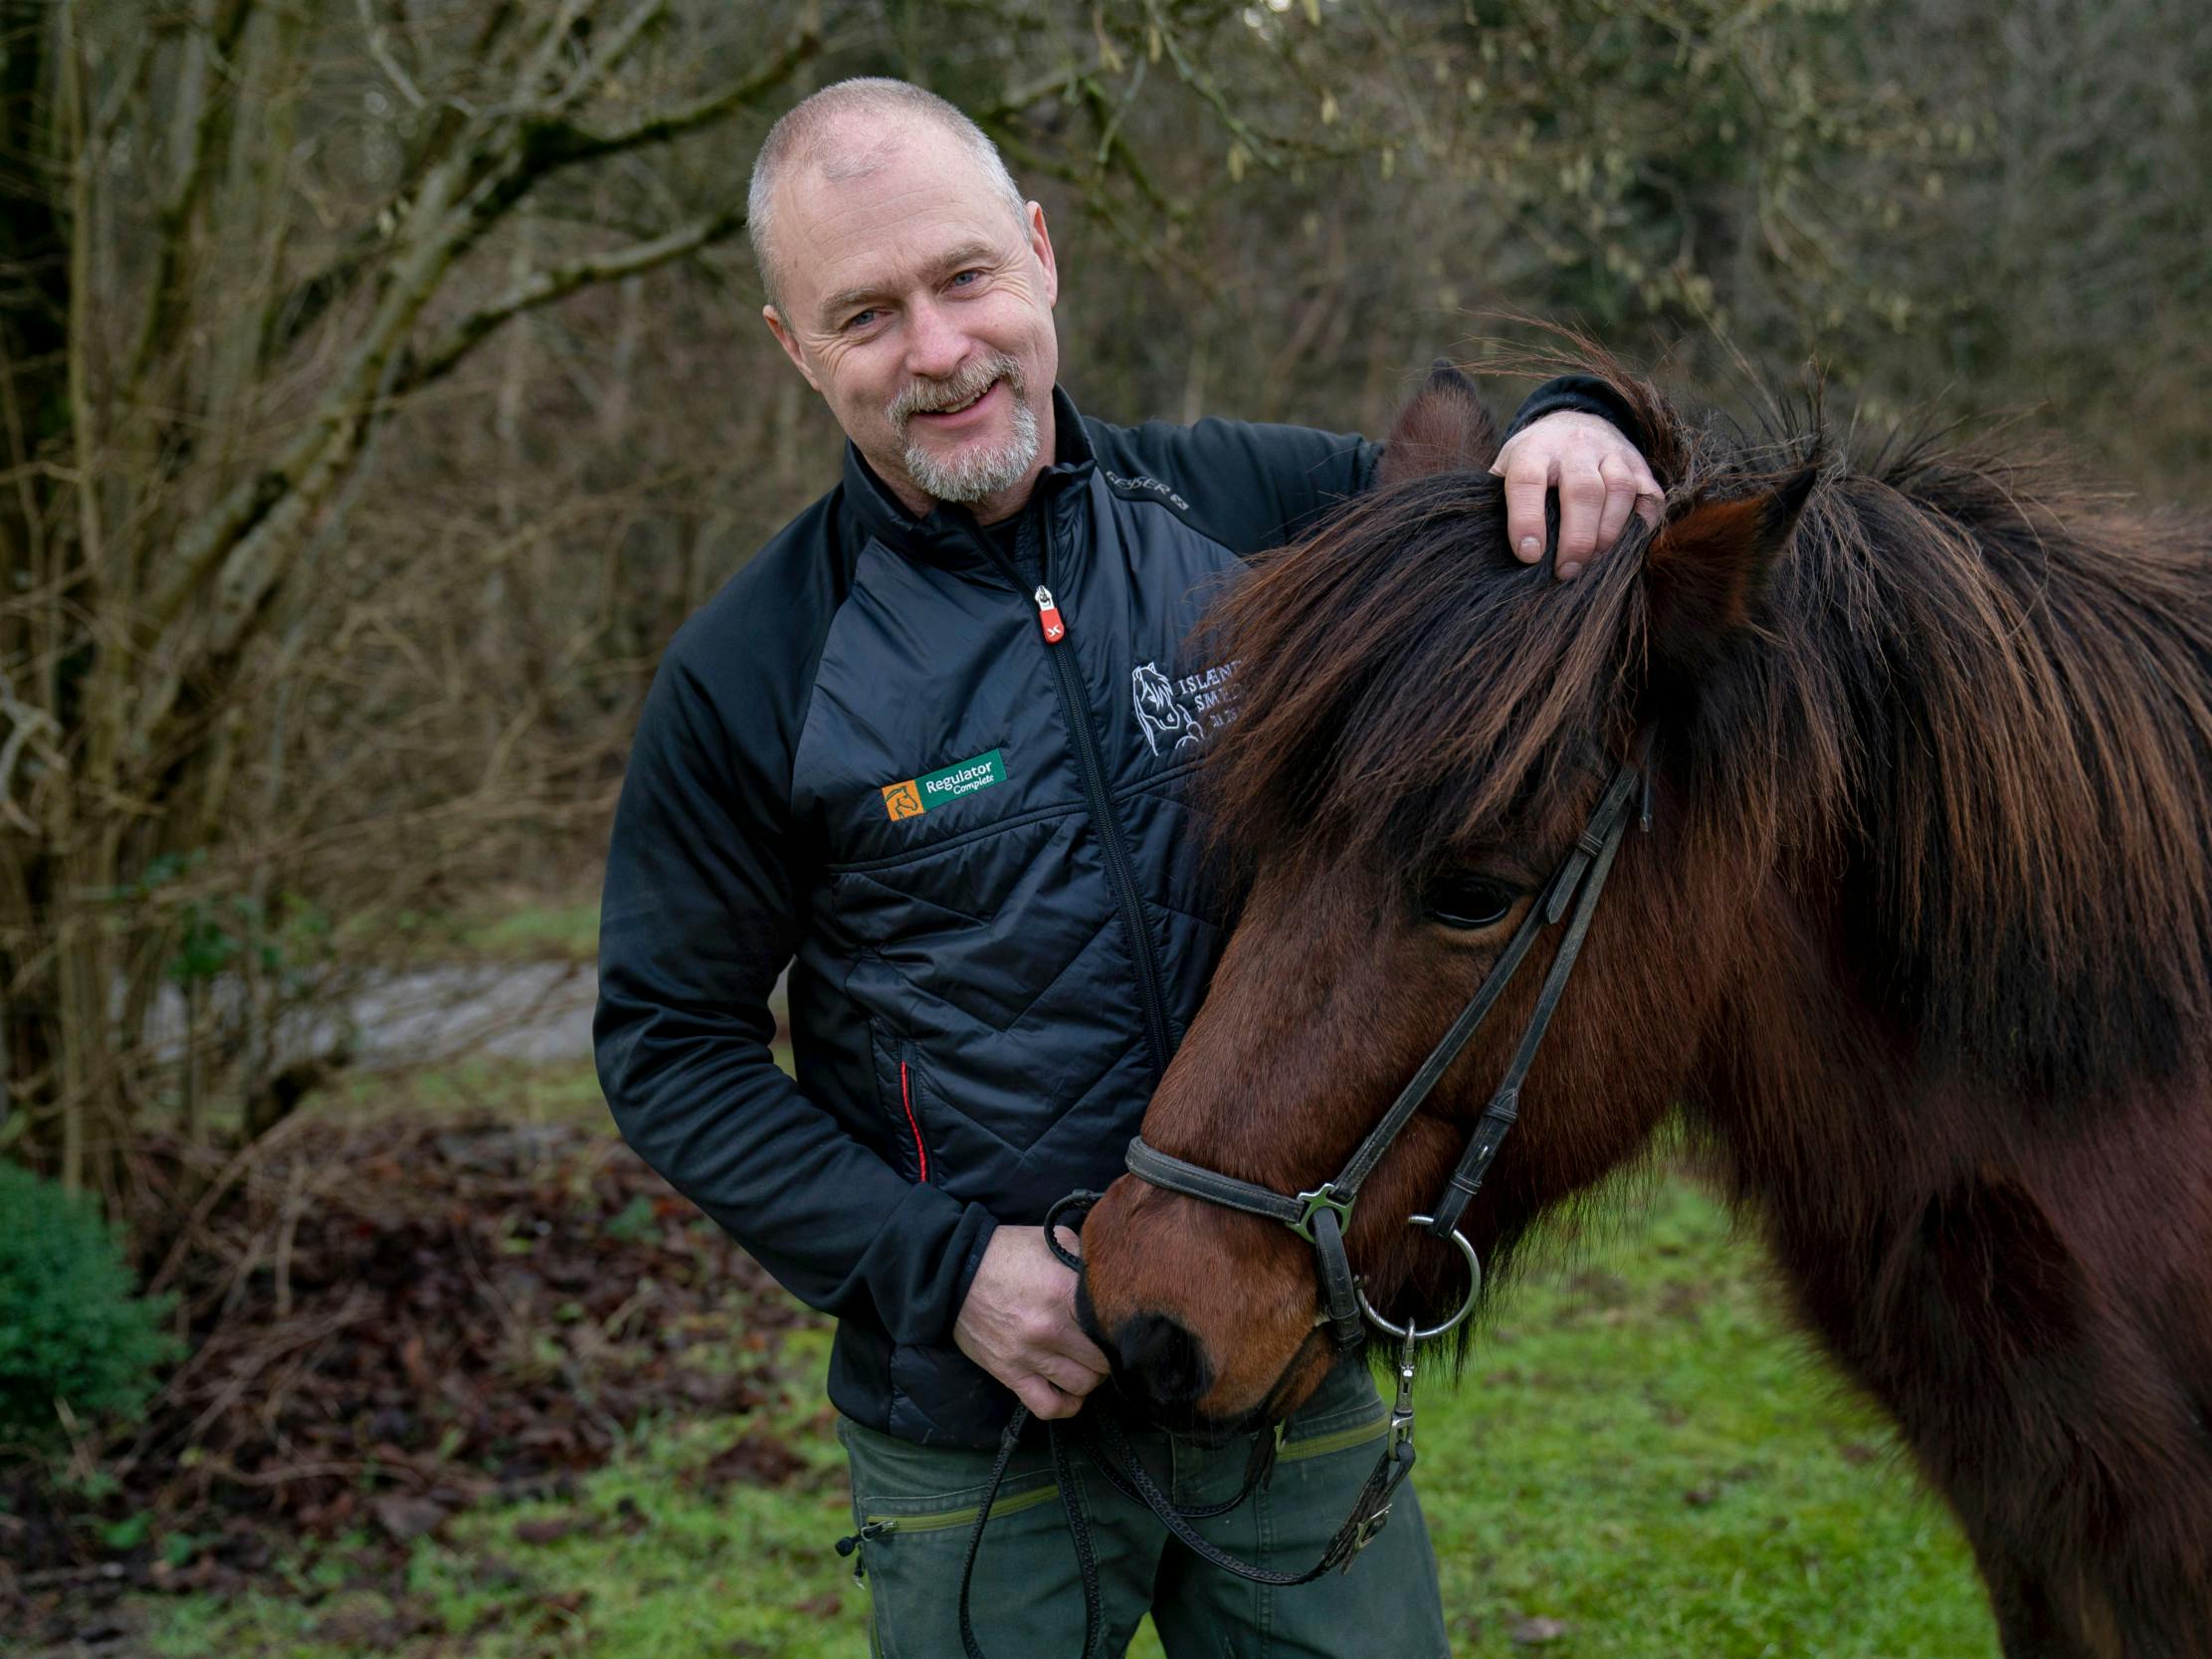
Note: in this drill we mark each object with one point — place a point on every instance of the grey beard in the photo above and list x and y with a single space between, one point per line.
972 475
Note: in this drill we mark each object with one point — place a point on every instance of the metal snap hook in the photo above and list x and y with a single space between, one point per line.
1408 1332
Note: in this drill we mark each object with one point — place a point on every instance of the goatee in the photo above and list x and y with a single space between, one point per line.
977 470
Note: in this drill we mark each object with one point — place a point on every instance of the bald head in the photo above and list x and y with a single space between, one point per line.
848 131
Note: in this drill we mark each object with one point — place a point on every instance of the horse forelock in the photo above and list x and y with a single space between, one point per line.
1974 708
1411 686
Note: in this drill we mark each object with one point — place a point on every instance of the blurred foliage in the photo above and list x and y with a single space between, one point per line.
78 1347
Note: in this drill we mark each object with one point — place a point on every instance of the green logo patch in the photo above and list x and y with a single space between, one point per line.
917 795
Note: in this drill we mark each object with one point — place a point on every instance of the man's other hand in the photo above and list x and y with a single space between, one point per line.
1019 1323
1600 477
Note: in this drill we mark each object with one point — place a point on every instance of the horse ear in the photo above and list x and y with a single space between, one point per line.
1445 429
1705 569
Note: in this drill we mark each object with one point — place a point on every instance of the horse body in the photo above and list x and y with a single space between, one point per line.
2026 1297
1919 943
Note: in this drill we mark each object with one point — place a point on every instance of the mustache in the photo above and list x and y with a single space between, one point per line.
927 396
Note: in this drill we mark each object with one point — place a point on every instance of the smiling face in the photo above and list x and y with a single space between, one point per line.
918 304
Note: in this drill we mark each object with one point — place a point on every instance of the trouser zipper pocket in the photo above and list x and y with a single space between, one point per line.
856 1546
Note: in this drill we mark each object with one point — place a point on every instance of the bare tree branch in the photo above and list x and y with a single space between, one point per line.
308 301
596 68
174 219
244 544
539 68
543 287
567 145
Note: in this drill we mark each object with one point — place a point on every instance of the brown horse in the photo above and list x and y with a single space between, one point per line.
1918 943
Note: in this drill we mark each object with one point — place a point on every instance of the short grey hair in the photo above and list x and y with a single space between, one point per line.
809 131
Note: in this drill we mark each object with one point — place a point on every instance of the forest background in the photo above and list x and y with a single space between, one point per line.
382 382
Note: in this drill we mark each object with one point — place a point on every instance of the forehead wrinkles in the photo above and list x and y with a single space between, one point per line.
849 191
884 240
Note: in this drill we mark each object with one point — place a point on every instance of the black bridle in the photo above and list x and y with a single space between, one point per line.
1321 1216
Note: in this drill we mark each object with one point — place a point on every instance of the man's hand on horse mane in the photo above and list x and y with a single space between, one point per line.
1019 1323
1600 477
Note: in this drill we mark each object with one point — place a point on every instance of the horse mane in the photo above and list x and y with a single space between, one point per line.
1971 713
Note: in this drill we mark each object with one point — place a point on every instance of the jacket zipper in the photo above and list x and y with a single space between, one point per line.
1074 710
910 1084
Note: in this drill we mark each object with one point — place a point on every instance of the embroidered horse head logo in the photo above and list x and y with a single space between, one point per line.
1158 714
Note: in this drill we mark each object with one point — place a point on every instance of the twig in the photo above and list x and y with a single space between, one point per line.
381 51
596 68
285 1230
241 1161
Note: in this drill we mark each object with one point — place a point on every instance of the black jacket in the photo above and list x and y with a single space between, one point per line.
868 757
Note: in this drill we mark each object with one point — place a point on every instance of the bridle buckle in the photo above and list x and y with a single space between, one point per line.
1365 1536
1311 1204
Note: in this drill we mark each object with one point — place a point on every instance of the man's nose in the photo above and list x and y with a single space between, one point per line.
935 344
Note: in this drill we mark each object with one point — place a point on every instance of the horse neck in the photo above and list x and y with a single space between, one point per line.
1822 1116
1831 1121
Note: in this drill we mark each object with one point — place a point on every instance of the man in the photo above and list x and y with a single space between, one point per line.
926 749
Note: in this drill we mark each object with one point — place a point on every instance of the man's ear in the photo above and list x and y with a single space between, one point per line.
1040 244
1706 570
1445 429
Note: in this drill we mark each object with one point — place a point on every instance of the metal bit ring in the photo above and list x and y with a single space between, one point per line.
1409 1333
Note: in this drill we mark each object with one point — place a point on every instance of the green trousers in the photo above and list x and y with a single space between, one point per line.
916 1506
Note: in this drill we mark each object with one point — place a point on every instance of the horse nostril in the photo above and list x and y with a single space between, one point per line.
1163 1360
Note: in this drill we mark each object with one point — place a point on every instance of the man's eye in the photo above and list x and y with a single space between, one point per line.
861 319
962 278
1469 902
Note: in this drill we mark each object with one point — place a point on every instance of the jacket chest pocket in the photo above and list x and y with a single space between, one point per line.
901 1090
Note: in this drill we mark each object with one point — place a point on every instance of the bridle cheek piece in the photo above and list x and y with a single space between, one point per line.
1320 1215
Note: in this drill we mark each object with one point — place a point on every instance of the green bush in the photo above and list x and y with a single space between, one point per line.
72 1327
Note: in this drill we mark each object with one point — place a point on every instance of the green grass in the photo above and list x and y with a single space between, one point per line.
1643 1452
499 930
540 932
1638 1453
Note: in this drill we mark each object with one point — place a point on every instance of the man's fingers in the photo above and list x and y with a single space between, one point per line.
1581 506
1526 484
1071 1345
1067 1375
1620 500
1044 1400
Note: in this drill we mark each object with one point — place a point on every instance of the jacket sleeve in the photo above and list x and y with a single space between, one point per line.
1248 485
697 918
1584 394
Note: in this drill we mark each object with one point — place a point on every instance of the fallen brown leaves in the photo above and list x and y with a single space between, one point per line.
390 1321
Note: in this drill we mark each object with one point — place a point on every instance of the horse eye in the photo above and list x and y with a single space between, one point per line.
1471 902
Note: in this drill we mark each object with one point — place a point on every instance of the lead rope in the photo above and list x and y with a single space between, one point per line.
1258 1470
1105 1443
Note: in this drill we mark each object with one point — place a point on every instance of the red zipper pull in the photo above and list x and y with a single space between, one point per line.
1048 617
